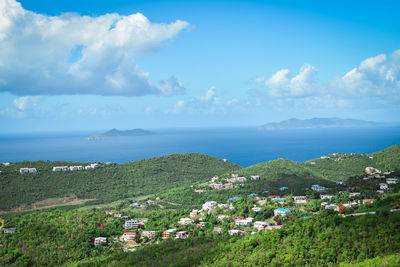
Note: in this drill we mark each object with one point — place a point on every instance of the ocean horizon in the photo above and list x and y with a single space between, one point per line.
244 146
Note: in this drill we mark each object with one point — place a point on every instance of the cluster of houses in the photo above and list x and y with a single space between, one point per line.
230 181
75 168
377 174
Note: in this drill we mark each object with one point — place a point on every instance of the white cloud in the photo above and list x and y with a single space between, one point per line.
73 54
232 101
376 80
26 102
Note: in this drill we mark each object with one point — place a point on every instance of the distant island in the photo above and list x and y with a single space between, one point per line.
317 123
116 132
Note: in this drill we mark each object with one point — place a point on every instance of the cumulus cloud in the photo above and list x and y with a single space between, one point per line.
376 79
26 102
73 54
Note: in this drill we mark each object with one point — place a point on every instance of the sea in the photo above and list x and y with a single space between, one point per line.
244 146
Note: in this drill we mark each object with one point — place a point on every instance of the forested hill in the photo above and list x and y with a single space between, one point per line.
338 166
107 183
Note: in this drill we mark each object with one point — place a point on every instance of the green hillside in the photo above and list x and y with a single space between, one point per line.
107 183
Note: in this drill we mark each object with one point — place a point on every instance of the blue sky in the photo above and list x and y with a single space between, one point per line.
91 65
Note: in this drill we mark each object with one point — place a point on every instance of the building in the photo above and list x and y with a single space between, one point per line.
283 188
181 235
76 168
339 182
256 209
167 233
209 205
280 200
260 225
273 227
332 206
245 222
371 170
60 168
128 236
392 180
228 186
133 224
252 195
27 170
383 186
236 179
255 177
326 196
194 213
233 199
368 200
100 240
300 199
236 232
281 212
318 188
215 178
218 230
148 234
222 217
216 186
185 221
6 164
10 230
354 194
201 224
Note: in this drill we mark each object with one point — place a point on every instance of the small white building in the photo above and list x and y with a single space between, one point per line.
181 235
326 196
218 230
236 232
194 213
222 217
255 177
383 186
392 180
6 164
260 225
300 199
244 222
209 205
128 236
60 168
281 212
185 221
149 234
354 194
100 240
27 170
256 209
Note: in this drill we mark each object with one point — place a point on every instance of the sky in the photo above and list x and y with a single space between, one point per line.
93 65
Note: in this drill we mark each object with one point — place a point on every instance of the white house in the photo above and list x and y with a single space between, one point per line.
149 234
181 235
326 196
194 213
222 217
392 180
27 170
185 221
60 168
354 194
236 232
128 236
256 209
100 240
255 177
244 222
281 212
383 186
300 199
6 164
209 205
133 224
260 225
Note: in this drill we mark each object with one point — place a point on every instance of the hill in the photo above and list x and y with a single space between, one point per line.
133 132
107 183
317 123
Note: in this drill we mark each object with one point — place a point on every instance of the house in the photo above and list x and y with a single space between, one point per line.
256 209
332 206
386 173
194 213
222 206
281 212
199 191
218 230
185 221
233 199
354 194
100 240
244 222
260 225
27 170
318 188
368 200
60 168
181 235
279 199
201 224
216 186
76 168
148 234
236 232
371 170
228 186
128 236
326 196
214 179
167 233
0 172
273 196
392 180
283 188
300 199
109 212
222 217
236 179
209 205
273 227
10 230
133 224
255 177
339 182
383 186
252 195
6 164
